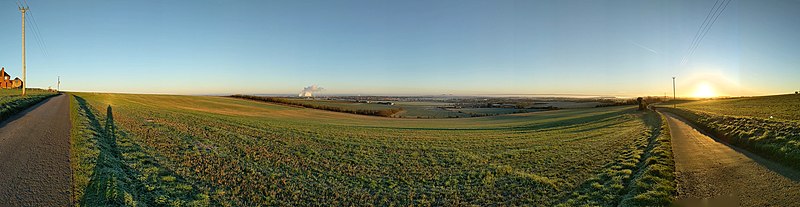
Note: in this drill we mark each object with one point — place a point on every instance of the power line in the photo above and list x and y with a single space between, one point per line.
37 34
699 31
709 27
35 29
711 18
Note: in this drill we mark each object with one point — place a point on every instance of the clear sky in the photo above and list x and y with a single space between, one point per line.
623 48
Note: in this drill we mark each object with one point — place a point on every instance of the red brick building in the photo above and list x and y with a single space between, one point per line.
7 82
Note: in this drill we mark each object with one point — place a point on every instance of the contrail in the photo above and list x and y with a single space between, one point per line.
644 47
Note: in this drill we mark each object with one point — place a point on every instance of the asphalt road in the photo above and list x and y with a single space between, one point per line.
707 169
34 156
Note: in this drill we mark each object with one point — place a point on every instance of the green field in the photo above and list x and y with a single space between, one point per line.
12 102
435 110
220 151
767 125
422 110
428 112
784 108
492 111
345 105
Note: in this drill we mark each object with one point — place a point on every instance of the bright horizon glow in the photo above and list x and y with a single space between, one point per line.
704 90
414 47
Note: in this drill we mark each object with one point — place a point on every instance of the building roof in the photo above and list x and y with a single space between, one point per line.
3 72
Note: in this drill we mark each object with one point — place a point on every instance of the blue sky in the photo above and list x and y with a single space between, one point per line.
622 48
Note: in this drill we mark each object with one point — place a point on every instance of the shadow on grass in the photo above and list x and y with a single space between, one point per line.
114 182
110 183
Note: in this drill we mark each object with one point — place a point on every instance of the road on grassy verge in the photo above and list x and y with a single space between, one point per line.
709 169
34 156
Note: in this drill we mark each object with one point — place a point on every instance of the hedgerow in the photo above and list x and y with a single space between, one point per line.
382 112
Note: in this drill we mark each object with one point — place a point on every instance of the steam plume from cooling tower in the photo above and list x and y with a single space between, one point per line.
310 90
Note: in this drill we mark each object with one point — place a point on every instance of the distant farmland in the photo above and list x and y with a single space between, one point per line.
336 106
188 150
427 109
492 111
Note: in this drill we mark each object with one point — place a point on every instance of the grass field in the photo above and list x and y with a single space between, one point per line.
190 150
426 110
435 110
12 102
346 105
492 111
782 108
406 109
423 110
768 125
568 105
328 105
429 112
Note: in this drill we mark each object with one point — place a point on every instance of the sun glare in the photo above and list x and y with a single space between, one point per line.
704 90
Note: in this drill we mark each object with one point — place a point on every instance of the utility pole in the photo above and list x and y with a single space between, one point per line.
23 9
58 85
673 88
674 104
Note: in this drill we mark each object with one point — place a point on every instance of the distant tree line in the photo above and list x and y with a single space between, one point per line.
382 112
636 101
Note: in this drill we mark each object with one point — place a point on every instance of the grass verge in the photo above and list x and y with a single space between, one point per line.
11 102
643 175
654 184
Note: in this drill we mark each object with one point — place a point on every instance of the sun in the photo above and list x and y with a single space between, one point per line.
704 90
